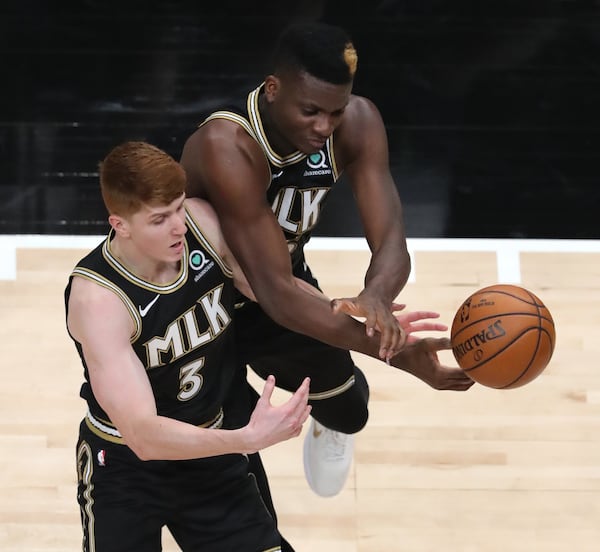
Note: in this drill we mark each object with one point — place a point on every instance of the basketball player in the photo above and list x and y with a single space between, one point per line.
266 165
150 311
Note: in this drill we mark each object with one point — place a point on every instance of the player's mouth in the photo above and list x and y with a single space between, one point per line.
316 143
177 247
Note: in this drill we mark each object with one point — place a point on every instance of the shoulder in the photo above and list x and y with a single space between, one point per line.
361 127
201 211
92 300
360 111
218 144
220 133
90 289
205 217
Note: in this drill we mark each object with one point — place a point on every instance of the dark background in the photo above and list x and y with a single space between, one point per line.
492 108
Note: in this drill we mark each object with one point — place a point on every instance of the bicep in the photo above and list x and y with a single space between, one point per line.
257 243
235 176
98 318
367 169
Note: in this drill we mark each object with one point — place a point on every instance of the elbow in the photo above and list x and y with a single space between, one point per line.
279 313
285 319
278 302
143 450
140 445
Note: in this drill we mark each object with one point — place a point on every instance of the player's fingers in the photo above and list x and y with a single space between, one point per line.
427 326
267 392
396 307
462 382
396 341
460 385
371 324
433 344
300 397
388 329
347 305
414 316
305 415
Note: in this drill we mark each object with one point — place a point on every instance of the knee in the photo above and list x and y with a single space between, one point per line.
348 412
345 418
356 423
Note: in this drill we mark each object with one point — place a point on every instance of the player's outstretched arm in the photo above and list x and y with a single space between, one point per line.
362 145
229 169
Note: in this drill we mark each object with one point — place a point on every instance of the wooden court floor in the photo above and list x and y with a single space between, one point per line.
482 471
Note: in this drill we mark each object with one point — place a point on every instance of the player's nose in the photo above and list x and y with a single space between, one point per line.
324 125
179 227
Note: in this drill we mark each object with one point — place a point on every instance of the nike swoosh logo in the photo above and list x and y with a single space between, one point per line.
144 311
276 175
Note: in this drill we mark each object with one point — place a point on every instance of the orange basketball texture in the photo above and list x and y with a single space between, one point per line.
503 336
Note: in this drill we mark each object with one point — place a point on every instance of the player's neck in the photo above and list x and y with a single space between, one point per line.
276 140
140 264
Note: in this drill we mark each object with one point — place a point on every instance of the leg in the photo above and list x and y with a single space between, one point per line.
339 392
117 499
238 407
337 412
217 507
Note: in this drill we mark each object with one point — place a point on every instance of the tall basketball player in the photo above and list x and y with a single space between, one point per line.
266 165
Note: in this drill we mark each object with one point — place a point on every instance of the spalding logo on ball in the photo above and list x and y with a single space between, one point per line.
503 336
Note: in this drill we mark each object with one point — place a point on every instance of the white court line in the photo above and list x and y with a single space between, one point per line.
10 243
507 250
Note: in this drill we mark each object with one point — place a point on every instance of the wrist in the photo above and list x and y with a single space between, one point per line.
246 440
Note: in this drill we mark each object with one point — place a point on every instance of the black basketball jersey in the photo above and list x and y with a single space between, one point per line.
300 183
183 331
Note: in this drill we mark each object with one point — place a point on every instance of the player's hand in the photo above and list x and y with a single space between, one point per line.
420 359
378 317
270 424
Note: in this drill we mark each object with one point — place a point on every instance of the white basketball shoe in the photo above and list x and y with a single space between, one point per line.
327 459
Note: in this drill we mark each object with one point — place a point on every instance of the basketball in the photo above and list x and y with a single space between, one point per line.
503 336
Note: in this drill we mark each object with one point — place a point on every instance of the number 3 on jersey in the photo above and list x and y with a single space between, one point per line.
190 380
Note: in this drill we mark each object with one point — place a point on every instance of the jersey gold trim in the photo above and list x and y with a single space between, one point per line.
193 226
233 117
331 154
254 127
158 288
259 130
107 431
101 281
332 392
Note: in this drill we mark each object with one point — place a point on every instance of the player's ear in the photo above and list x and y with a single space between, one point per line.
119 225
272 85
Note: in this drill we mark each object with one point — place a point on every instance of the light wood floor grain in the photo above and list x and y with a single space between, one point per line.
482 471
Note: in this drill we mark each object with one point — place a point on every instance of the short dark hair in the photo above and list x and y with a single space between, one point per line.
319 49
